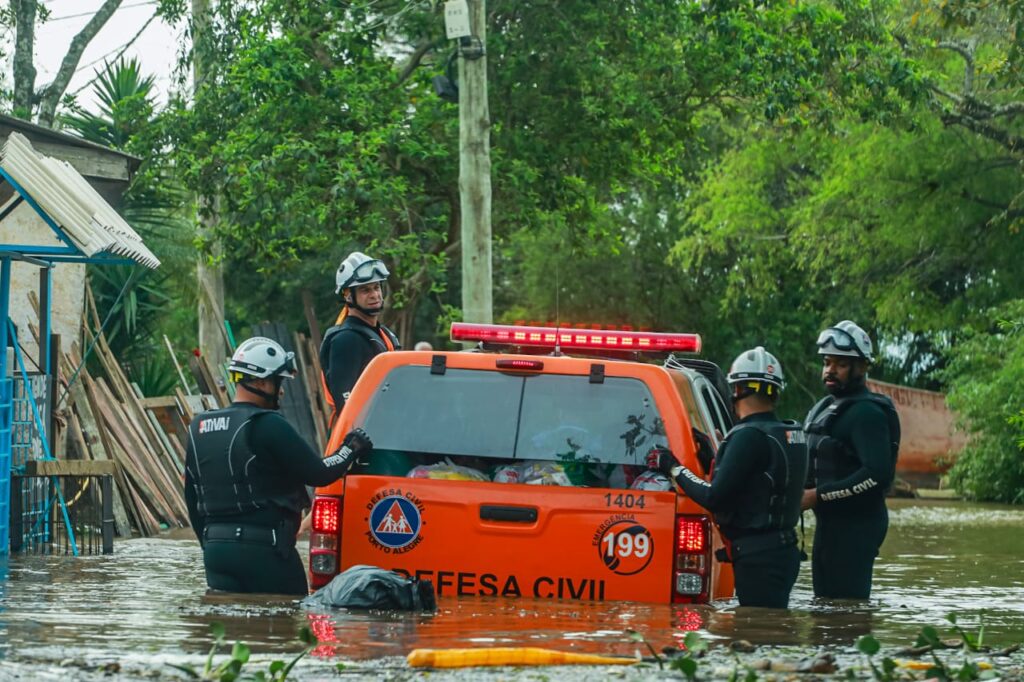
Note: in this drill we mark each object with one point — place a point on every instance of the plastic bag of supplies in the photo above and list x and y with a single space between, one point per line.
447 471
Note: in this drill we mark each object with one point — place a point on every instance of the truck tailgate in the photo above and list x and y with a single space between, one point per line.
491 539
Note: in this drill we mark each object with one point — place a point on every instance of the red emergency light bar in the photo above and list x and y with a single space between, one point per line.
568 339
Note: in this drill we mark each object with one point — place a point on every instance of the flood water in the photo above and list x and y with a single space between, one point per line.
149 601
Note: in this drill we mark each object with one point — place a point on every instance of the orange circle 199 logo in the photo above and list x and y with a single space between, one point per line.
626 547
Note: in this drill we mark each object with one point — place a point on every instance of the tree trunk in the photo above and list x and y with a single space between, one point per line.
50 96
475 171
24 68
209 269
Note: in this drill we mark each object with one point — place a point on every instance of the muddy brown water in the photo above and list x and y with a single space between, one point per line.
149 600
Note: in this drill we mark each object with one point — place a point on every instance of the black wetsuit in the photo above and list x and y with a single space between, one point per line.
853 461
246 469
755 492
346 351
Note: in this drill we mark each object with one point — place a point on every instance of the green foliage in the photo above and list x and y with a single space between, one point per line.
687 664
973 56
985 376
911 230
749 171
126 107
316 145
871 226
230 669
638 637
971 642
142 305
928 642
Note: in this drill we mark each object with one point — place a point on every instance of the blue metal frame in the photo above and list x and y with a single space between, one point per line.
44 256
95 260
44 440
6 410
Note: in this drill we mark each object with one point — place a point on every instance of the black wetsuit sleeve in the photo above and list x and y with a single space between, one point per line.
347 356
191 499
742 458
865 428
276 440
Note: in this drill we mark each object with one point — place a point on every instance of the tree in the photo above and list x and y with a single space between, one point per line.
307 133
136 298
877 225
985 376
319 142
41 103
982 88
209 265
26 99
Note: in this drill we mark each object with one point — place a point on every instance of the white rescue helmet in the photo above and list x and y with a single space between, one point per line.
846 338
260 358
758 370
358 269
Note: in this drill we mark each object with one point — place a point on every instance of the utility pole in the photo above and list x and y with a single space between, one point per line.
209 270
475 169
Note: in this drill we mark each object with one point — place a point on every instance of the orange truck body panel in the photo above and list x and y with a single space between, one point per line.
584 543
563 554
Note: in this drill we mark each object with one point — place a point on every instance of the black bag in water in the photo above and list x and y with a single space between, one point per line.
370 587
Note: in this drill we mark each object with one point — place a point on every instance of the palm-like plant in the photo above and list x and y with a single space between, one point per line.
126 106
139 301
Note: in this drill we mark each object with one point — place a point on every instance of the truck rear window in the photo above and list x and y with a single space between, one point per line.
552 417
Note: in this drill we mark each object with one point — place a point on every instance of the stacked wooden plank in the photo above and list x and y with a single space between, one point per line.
307 355
109 420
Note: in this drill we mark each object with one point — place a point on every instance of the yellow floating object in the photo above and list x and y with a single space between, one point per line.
915 665
925 665
469 658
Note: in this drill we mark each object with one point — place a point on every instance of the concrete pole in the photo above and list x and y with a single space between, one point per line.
209 275
475 170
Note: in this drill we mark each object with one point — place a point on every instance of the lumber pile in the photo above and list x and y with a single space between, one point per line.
307 357
308 353
108 419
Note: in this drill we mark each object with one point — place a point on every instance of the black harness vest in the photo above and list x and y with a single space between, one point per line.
775 504
228 479
364 331
831 458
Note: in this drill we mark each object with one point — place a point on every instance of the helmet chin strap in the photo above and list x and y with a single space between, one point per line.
273 398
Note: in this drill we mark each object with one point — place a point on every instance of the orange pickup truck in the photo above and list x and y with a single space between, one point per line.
461 438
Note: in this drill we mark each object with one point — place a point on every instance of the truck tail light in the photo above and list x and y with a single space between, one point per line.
324 540
692 549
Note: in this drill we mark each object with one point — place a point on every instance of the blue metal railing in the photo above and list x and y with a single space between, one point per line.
44 444
5 411
26 445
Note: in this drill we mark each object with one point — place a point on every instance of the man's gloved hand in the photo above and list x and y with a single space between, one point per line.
356 443
661 459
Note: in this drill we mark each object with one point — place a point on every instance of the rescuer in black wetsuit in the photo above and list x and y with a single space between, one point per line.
756 484
853 437
246 469
358 336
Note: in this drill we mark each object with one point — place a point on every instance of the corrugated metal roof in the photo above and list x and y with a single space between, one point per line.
84 216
